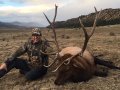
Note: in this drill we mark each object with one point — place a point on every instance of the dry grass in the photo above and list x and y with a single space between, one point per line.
101 43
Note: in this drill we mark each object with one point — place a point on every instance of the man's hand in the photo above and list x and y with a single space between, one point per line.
3 66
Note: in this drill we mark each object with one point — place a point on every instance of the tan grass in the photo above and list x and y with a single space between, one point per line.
101 43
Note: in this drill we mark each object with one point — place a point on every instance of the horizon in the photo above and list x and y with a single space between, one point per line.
32 10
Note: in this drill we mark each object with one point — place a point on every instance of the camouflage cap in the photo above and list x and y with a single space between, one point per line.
36 31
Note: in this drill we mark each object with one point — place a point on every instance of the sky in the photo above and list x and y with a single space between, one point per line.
32 10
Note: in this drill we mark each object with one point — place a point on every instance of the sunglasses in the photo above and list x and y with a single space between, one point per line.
35 35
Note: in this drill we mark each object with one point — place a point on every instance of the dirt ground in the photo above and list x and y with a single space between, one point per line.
106 41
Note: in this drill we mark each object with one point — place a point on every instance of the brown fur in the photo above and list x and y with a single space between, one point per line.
79 68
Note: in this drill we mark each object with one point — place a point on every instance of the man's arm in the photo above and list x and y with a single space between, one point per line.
21 50
47 48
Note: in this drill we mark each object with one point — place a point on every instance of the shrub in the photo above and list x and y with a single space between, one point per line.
112 34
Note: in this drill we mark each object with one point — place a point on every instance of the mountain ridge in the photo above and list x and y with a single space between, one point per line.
107 17
16 24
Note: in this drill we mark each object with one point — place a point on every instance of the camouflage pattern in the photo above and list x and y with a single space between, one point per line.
36 58
36 31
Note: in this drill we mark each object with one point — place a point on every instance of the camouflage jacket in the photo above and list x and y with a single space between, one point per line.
35 57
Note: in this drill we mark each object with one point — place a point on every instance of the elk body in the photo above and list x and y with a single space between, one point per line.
78 69
74 63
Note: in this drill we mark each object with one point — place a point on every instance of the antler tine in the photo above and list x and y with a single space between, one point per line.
53 53
51 63
94 24
52 26
95 9
47 18
55 13
87 36
85 32
63 62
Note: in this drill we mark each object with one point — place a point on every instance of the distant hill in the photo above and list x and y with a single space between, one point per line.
7 25
27 24
107 17
19 24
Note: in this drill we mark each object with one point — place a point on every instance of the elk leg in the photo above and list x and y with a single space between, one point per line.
108 64
102 72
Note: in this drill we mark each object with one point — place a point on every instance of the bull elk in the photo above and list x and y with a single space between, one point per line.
74 63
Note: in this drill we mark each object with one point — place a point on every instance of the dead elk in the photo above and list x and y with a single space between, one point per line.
74 63
73 67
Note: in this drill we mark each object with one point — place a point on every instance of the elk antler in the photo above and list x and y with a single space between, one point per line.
65 62
52 26
87 36
55 37
52 62
53 53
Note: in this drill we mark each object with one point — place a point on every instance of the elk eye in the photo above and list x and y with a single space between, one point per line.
67 68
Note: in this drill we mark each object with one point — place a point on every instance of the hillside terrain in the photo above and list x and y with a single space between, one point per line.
7 25
107 17
19 24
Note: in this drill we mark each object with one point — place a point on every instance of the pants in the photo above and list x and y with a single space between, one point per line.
22 65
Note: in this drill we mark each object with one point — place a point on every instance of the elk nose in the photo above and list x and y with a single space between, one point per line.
58 82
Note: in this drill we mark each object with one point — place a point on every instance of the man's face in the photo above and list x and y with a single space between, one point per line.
35 38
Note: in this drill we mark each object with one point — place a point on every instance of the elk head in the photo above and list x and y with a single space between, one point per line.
74 63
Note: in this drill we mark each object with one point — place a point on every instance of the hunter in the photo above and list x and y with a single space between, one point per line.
32 67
